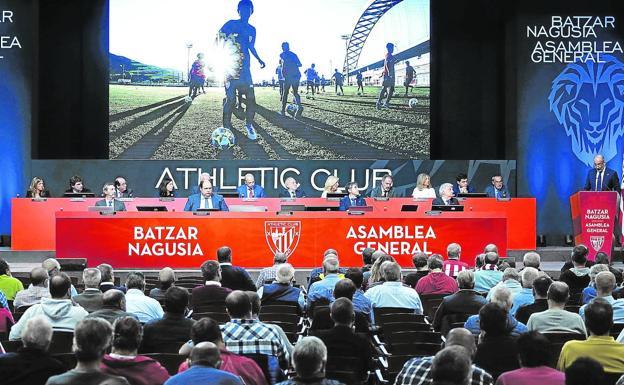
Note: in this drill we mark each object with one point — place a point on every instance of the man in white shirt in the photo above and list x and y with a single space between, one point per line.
145 308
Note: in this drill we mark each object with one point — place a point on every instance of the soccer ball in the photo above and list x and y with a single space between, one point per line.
188 99
413 103
291 109
359 94
222 138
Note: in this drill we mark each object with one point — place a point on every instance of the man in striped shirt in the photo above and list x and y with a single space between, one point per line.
452 266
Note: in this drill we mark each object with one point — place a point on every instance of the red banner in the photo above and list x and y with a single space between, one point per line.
593 217
183 240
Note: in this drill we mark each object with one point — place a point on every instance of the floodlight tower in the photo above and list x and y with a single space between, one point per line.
188 60
346 38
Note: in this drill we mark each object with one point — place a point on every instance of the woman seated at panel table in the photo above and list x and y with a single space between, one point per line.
37 189
423 187
331 186
166 189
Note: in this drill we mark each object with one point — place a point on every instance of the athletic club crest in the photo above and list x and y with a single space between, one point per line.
597 242
282 236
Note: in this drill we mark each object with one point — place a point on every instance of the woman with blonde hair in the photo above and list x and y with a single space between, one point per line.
37 189
423 187
331 185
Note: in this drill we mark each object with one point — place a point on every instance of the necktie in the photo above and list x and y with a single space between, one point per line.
110 203
599 181
495 193
384 194
250 192
352 202
292 194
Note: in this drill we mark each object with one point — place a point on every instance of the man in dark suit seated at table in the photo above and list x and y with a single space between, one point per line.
385 188
446 196
233 277
353 198
211 293
498 189
206 199
461 185
250 189
601 177
292 189
109 198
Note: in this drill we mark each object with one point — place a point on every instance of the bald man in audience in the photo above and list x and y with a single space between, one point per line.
267 275
417 371
91 298
317 273
37 289
166 279
556 319
113 307
488 275
525 296
324 288
503 297
605 283
392 293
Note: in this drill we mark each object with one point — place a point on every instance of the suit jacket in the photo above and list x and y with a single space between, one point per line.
257 190
463 302
456 189
345 202
126 194
236 278
169 329
376 192
209 295
28 366
502 193
90 300
610 181
341 341
299 193
117 205
439 201
194 202
104 287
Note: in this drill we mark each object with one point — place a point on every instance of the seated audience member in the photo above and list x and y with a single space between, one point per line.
490 248
310 360
534 355
207 330
503 298
59 309
173 327
453 266
584 371
589 292
267 275
488 275
497 351
205 360
205 199
281 290
385 189
212 293
76 186
31 364
108 278
511 280
255 314
376 277
446 197
392 293
418 370
91 298
605 283
463 303
577 278
121 188
292 189
436 282
166 189
124 359
37 289
166 279
532 259
331 186
342 341
451 366
246 335
423 189
317 273
374 254
603 259
361 304
323 289
114 306
108 190
233 277
9 285
525 296
92 338
599 345
321 318
461 185
145 308
367 259
540 293
479 261
420 263
250 189
53 267
556 319
37 189
578 249
352 199
497 189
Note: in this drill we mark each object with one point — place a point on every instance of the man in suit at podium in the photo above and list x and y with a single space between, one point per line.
353 198
292 189
446 196
206 199
250 189
385 189
601 178
109 200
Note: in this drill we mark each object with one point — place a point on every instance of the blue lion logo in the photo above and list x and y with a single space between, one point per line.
588 101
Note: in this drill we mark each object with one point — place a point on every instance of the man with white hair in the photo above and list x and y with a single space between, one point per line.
605 284
309 359
503 297
392 293
525 296
250 189
54 267
511 280
601 177
91 298
324 288
453 266
446 196
166 279
281 290
531 259
292 189
267 275
589 292
31 364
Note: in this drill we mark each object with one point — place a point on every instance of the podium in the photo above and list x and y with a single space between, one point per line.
593 220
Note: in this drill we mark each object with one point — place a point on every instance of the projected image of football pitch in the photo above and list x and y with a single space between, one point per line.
159 123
